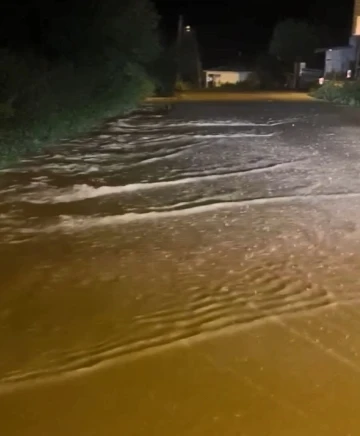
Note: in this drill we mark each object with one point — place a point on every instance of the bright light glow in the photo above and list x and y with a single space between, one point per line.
187 28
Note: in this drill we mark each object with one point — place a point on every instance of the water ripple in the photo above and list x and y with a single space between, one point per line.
256 294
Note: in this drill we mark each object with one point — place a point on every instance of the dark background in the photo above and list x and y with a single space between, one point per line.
224 28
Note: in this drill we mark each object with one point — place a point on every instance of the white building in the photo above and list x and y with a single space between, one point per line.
339 60
222 75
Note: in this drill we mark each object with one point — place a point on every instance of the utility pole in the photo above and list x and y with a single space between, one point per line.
187 49
357 58
179 38
356 34
198 61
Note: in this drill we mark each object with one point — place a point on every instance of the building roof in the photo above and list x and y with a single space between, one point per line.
340 47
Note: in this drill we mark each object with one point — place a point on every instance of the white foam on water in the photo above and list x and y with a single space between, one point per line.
143 142
165 124
57 156
122 129
55 168
77 141
6 216
185 204
75 159
91 169
9 221
120 123
37 183
70 223
214 123
9 189
161 139
91 156
155 158
112 146
59 168
82 192
41 179
234 135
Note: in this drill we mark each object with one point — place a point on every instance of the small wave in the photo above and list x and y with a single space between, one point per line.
82 192
44 179
91 169
70 223
234 135
7 217
255 295
214 123
207 205
9 189
162 154
150 160
60 168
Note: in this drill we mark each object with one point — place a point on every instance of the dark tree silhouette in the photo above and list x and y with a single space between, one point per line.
293 41
66 64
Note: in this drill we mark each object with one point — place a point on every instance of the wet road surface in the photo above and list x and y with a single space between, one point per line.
189 273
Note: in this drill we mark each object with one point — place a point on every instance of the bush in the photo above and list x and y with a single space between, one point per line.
347 92
81 74
46 110
182 86
163 71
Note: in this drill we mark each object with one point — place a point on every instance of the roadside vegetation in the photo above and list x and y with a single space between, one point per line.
340 92
66 66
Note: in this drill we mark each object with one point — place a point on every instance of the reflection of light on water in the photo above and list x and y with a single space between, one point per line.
211 301
208 282
204 196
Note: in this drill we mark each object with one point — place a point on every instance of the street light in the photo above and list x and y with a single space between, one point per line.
187 29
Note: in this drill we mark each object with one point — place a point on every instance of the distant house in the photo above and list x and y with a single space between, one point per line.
339 60
226 75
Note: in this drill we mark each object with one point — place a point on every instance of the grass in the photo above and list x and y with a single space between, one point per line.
19 138
339 92
62 106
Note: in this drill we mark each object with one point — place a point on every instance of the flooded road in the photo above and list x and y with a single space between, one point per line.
188 273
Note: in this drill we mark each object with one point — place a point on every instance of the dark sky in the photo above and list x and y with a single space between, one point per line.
225 27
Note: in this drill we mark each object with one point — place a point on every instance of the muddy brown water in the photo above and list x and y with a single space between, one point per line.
189 273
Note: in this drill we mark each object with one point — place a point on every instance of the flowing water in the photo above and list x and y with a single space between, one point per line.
197 272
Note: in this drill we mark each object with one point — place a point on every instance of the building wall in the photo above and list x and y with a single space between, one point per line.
223 77
339 60
356 14
228 77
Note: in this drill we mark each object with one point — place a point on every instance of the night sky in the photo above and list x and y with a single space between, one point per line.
224 27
